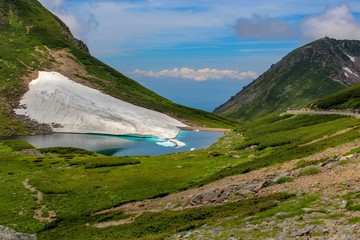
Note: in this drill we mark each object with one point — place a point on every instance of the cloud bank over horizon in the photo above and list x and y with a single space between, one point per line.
203 74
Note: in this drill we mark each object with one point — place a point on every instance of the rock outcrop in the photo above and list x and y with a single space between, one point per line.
10 234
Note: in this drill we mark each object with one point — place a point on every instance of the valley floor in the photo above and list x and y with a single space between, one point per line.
280 177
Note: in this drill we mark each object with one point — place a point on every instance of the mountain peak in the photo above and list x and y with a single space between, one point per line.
308 73
30 18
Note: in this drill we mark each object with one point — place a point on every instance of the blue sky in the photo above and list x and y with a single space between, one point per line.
198 52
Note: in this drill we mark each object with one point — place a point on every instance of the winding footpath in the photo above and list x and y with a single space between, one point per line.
41 214
308 111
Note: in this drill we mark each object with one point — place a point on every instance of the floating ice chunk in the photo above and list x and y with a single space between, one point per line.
171 143
167 144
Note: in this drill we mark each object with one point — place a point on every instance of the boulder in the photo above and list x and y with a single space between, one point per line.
329 163
210 197
251 187
262 185
301 232
197 200
243 192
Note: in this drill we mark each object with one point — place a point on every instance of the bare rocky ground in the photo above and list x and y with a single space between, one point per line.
328 175
9 234
39 213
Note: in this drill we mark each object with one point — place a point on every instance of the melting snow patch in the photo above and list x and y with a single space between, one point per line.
351 58
55 99
349 71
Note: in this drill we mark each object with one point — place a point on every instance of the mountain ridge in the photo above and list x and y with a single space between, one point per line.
308 73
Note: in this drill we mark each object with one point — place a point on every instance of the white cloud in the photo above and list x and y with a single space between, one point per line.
262 27
337 22
198 74
79 19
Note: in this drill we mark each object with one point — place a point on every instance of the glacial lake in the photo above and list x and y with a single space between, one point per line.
125 145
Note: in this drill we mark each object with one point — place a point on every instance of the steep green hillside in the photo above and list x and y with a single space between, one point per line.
33 39
347 99
308 73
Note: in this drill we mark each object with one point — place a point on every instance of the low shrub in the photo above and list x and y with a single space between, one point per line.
353 201
215 154
66 150
17 145
108 162
354 220
284 180
310 171
353 151
304 163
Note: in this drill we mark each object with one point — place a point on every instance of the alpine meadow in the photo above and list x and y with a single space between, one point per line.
286 167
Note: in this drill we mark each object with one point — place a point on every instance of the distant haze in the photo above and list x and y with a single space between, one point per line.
202 95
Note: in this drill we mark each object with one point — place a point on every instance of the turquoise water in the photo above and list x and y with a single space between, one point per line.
128 145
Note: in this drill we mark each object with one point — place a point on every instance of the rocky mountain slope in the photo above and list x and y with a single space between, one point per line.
308 73
33 40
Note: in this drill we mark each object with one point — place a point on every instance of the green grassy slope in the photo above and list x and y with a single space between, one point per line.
347 99
25 25
76 183
308 73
